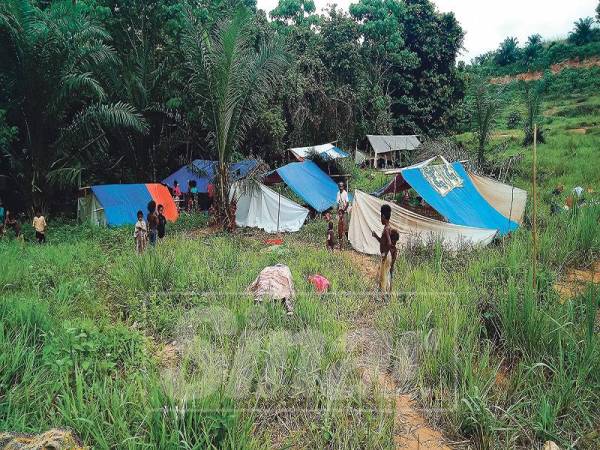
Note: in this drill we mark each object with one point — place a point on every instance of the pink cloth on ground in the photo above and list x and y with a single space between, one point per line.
320 283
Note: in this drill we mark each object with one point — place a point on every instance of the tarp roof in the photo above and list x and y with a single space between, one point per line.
261 207
121 202
462 205
412 227
308 182
326 151
203 172
385 144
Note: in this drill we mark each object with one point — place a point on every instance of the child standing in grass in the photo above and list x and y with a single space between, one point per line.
40 225
385 248
330 234
140 233
162 222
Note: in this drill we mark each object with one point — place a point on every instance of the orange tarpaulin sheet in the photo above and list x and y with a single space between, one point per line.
161 195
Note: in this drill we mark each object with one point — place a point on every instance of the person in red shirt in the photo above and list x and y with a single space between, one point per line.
211 193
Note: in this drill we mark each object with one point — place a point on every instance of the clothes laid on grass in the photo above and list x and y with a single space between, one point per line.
320 283
274 283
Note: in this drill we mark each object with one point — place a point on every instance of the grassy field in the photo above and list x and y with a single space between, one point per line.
165 350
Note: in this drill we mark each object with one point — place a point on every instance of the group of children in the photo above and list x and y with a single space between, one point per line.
153 229
190 201
387 241
9 221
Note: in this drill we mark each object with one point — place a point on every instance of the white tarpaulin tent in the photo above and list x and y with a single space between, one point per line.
508 200
327 151
365 218
261 207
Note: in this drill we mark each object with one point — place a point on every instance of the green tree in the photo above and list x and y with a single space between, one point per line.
486 106
508 52
583 33
229 77
533 48
55 63
410 52
532 96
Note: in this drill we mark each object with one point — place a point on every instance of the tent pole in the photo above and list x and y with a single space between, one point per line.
534 218
278 210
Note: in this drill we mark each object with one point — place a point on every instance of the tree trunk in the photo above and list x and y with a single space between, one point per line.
223 209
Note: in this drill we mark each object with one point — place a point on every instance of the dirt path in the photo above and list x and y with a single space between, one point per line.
412 430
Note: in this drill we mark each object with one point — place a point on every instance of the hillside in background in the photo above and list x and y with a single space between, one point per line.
536 55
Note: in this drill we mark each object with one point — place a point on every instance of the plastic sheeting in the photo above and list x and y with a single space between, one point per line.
326 151
508 200
462 205
261 207
366 218
121 202
161 195
203 172
310 183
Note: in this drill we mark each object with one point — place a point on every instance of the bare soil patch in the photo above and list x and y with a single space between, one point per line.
575 281
555 69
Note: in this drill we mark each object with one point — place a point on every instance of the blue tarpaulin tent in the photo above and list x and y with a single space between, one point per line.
122 201
310 183
203 172
462 205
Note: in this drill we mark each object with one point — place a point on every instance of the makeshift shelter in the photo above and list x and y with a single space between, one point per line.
118 204
261 207
412 227
326 151
508 200
203 172
449 190
308 182
393 149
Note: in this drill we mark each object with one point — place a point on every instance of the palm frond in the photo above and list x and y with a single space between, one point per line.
77 83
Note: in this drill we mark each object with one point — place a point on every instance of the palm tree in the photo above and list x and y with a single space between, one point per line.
55 62
583 32
229 74
508 52
486 106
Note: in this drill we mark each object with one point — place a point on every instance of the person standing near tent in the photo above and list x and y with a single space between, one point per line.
385 249
140 233
40 225
342 204
162 222
330 234
10 221
177 194
152 223
210 189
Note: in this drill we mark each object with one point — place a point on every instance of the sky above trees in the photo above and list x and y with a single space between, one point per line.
487 23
